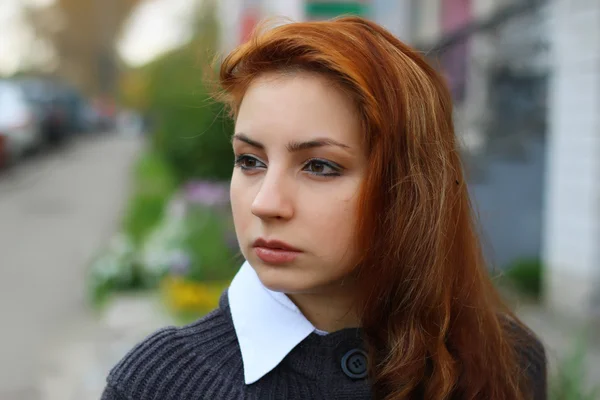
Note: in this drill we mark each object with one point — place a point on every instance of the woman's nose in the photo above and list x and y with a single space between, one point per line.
273 199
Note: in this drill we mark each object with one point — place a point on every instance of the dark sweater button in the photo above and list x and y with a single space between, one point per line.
354 364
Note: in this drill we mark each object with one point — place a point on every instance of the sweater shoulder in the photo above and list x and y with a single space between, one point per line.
529 347
532 358
174 363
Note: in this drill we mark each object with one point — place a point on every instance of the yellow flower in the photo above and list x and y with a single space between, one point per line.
188 296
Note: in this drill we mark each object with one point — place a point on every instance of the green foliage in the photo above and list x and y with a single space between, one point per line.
192 130
212 259
184 318
153 185
194 141
570 381
526 276
190 140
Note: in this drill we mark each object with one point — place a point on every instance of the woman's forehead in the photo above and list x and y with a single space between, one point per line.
299 105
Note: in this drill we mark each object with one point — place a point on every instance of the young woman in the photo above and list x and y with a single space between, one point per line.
364 276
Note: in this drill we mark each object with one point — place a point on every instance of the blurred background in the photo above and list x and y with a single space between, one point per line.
114 167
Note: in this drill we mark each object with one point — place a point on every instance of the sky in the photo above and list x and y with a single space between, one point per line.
14 35
155 27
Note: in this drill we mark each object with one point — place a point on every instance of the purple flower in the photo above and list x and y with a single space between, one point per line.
207 193
179 263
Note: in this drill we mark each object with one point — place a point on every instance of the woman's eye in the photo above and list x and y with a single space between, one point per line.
322 168
247 162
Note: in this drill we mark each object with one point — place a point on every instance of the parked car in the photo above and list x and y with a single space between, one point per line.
52 107
19 121
92 118
80 116
3 151
77 119
129 123
106 112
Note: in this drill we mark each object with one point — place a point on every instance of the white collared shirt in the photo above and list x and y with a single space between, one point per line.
268 325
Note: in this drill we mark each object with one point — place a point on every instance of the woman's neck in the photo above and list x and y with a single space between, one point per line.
330 310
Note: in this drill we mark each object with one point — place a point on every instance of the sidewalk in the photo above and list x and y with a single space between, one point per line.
558 333
56 210
76 367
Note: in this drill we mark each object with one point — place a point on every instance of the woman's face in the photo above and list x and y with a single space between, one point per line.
295 187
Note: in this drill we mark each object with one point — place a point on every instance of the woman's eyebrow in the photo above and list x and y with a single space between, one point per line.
313 143
244 138
294 146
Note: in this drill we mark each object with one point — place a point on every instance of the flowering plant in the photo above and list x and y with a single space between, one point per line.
113 268
189 252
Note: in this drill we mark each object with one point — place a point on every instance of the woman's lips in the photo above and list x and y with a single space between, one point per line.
275 256
275 251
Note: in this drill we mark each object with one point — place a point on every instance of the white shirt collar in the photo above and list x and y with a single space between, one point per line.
268 325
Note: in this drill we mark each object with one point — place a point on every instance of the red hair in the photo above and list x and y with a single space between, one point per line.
433 322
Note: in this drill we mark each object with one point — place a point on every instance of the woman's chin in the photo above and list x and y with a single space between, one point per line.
281 279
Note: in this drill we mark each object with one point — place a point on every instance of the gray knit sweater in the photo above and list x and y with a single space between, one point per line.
203 361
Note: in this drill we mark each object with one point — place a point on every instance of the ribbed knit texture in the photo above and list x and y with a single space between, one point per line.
203 361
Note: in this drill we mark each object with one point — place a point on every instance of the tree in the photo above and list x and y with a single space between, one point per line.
83 34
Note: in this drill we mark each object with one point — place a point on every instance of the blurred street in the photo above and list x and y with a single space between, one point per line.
56 211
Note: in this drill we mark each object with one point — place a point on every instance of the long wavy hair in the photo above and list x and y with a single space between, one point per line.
433 323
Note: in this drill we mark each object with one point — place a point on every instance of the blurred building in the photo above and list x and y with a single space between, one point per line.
239 17
525 76
572 223
495 56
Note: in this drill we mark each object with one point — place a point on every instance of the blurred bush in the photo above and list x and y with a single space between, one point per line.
189 300
153 185
191 130
193 245
525 275
211 256
195 240
178 222
571 381
195 249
